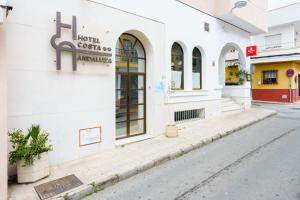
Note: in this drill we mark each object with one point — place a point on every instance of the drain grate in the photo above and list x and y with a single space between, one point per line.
286 117
254 104
294 108
53 188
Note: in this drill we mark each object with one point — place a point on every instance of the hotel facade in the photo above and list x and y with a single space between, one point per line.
98 74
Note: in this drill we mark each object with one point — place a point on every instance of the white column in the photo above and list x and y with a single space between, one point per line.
188 71
3 117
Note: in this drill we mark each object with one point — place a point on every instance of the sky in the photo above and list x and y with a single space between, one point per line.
279 3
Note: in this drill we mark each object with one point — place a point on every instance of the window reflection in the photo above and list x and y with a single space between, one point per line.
197 67
177 65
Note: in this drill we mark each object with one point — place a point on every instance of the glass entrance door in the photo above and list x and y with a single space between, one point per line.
130 87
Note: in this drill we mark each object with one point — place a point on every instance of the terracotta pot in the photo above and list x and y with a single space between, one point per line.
40 169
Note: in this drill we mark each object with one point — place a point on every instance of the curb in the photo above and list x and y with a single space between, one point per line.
95 187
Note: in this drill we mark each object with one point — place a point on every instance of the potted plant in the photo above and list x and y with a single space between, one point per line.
243 76
30 154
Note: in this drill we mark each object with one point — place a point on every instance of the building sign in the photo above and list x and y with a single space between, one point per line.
83 48
251 51
290 72
89 136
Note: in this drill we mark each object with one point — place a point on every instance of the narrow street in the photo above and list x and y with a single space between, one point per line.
259 162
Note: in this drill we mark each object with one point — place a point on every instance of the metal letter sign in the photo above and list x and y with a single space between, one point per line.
87 46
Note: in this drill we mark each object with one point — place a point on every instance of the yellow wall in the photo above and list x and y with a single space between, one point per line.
231 74
124 64
283 80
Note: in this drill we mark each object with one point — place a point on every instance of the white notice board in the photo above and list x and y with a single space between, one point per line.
89 136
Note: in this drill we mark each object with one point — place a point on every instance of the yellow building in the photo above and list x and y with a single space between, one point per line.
270 82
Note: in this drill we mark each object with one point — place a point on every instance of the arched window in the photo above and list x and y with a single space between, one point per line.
177 65
197 69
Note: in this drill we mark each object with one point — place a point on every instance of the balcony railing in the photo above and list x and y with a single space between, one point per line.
278 46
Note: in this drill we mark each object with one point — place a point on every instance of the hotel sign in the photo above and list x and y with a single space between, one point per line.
83 48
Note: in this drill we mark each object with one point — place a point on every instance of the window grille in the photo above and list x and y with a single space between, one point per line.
187 115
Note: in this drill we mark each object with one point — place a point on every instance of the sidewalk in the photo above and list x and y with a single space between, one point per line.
107 168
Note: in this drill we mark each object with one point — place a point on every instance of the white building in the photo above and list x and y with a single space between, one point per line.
173 52
282 38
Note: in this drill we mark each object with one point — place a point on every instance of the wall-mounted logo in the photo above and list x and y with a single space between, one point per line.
251 51
83 48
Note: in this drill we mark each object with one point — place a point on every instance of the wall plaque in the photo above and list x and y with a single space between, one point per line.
82 47
89 136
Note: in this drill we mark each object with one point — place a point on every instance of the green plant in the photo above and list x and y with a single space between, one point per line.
232 66
243 76
66 196
28 147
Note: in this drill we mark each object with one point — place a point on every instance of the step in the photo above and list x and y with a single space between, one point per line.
231 108
230 104
231 112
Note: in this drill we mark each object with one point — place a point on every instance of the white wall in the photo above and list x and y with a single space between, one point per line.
284 15
3 116
287 36
65 101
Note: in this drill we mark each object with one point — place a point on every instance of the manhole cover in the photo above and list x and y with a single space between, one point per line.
254 104
295 108
53 188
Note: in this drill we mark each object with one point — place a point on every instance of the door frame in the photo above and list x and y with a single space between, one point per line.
128 74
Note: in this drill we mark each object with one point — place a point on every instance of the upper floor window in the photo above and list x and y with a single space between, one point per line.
273 41
197 69
177 65
270 77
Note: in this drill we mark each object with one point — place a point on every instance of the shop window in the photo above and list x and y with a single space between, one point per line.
270 77
177 65
197 68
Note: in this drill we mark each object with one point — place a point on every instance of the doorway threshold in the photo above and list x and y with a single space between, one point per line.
131 140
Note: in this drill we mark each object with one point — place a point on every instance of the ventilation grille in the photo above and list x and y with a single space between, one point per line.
206 27
187 115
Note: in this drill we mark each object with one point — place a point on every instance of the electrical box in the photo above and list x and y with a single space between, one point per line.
258 82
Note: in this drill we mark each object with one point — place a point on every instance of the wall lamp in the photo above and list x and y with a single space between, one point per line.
239 4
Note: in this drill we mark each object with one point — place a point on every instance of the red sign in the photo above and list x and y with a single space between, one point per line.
251 51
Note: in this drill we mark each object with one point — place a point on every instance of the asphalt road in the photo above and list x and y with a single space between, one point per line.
261 162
